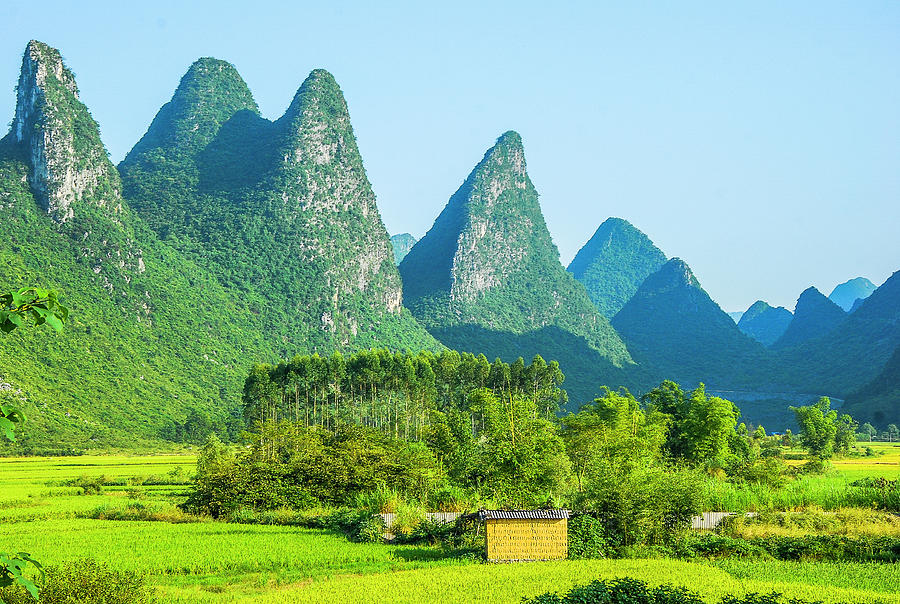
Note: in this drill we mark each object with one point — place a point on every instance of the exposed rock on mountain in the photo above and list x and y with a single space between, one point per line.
142 347
764 323
487 278
614 263
402 243
281 211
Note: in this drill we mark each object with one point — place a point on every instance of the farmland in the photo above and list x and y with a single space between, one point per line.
209 561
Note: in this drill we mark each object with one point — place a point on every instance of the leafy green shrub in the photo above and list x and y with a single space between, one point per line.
633 591
429 531
370 529
137 510
587 537
620 591
826 548
89 485
85 582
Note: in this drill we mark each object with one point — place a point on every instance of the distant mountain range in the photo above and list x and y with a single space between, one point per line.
848 293
814 316
764 323
224 239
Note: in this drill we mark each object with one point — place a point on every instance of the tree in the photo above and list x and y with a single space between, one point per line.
845 434
707 425
893 432
869 430
42 305
818 428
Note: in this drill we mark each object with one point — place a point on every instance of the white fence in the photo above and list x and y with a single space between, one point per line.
707 521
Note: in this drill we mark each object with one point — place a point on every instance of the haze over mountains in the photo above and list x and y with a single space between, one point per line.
224 239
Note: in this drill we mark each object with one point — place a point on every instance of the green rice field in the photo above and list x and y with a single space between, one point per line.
219 562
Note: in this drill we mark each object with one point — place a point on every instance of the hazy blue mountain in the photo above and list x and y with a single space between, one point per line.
845 294
814 316
764 323
402 243
673 326
854 352
614 263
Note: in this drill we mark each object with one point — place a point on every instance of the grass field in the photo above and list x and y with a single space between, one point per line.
222 563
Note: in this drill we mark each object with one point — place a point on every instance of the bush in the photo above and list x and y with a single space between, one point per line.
89 485
587 537
620 591
85 582
427 532
370 529
633 591
823 548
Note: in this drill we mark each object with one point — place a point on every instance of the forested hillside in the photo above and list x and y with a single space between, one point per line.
143 346
814 316
672 326
764 323
486 278
281 212
614 263
879 400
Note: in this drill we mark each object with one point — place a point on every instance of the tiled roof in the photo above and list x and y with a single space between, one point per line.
523 514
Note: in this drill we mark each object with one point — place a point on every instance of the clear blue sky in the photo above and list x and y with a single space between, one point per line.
758 140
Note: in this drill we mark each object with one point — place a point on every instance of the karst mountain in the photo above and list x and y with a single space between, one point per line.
614 263
487 278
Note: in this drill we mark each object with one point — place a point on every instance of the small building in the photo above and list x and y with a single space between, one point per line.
525 535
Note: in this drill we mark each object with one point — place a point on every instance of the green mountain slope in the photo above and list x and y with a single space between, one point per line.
672 325
853 353
814 316
487 278
878 401
614 263
764 323
151 335
402 243
847 293
280 212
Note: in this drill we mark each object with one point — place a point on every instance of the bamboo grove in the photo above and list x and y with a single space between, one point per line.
395 392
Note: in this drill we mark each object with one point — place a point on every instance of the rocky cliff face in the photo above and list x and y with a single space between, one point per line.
402 243
280 210
764 323
151 335
614 263
487 277
68 162
70 175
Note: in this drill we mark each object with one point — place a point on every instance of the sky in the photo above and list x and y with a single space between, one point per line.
757 140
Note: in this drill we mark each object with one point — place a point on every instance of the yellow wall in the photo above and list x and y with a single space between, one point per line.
526 539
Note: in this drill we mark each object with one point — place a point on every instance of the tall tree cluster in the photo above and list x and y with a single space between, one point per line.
396 392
